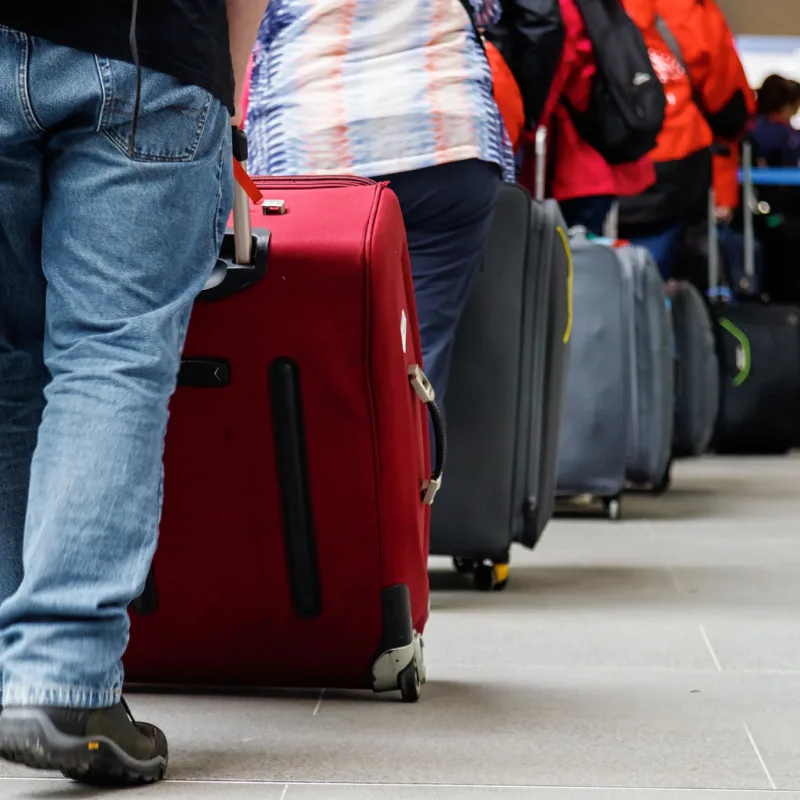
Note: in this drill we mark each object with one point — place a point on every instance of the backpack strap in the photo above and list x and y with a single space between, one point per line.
672 43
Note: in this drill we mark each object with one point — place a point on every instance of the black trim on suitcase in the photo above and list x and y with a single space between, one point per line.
291 460
204 373
398 626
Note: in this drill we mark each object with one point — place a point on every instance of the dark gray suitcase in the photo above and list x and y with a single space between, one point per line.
593 455
506 390
697 384
652 355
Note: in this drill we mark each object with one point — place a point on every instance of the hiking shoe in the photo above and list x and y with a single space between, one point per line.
101 747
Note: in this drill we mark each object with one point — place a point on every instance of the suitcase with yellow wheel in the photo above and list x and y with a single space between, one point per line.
506 393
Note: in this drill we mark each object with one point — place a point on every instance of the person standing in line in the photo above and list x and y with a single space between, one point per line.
777 143
113 114
398 92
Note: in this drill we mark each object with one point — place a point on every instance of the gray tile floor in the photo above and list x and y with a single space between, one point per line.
657 658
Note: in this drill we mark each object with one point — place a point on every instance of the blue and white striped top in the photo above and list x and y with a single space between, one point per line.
372 87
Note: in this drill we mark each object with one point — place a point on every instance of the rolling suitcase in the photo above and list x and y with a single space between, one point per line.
652 353
697 387
294 535
506 390
595 430
624 333
759 354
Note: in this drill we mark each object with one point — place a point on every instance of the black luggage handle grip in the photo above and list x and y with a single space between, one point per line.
424 391
242 260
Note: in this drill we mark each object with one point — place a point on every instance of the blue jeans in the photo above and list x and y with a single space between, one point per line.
447 210
101 257
662 247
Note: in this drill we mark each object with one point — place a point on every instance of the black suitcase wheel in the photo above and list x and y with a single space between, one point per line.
409 684
490 577
664 482
464 566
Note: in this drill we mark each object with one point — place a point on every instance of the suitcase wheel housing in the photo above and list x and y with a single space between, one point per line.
487 575
613 508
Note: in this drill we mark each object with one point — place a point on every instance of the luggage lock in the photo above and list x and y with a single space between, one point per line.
273 207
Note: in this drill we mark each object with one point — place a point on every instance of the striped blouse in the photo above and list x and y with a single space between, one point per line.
372 87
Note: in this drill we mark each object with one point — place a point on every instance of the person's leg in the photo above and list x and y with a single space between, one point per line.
447 211
126 247
662 246
22 296
588 212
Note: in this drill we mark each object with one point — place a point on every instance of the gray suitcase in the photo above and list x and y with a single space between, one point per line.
505 395
652 355
593 454
697 384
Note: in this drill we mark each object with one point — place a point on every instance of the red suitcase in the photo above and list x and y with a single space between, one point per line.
298 479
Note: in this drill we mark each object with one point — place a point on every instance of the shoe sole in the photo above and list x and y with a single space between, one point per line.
28 737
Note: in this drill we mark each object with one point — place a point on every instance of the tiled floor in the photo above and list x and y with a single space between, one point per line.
657 658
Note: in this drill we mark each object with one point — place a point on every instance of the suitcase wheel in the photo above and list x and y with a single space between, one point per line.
490 577
487 575
613 508
664 482
409 682
464 566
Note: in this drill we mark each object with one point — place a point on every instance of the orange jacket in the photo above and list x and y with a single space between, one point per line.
706 88
709 51
685 130
718 79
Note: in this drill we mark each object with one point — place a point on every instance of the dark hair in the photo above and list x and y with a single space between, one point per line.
794 92
774 95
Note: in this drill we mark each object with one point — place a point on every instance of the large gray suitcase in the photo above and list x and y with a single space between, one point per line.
593 454
618 417
652 354
506 390
697 384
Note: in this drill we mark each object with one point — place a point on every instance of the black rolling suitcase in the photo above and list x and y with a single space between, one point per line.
759 351
697 374
506 391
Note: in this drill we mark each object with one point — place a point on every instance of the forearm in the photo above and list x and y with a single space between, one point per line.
244 18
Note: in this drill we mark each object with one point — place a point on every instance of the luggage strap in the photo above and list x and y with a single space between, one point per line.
246 182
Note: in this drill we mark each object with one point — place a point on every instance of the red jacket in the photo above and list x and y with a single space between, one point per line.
576 168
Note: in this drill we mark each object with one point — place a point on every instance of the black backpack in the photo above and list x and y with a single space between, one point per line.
530 37
627 103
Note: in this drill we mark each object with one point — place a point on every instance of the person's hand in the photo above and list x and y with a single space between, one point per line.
723 214
236 119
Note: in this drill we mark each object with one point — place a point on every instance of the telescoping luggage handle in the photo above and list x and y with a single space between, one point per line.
749 207
713 245
424 391
540 151
243 256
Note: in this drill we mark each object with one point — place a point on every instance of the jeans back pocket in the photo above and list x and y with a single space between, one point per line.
171 115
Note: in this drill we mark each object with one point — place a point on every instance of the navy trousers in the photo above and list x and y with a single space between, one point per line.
447 211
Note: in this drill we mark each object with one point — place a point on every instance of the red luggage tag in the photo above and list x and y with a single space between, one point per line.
247 183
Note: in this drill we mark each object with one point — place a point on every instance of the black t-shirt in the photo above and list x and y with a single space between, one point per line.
187 39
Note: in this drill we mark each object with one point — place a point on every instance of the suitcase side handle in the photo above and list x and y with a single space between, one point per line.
244 252
424 390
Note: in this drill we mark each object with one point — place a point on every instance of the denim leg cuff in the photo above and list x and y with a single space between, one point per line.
17 694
